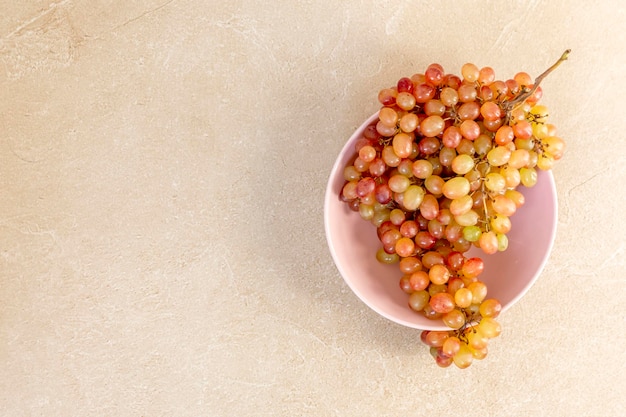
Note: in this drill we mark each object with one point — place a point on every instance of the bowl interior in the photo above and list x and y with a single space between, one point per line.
508 275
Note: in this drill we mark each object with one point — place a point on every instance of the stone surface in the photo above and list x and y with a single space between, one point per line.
162 172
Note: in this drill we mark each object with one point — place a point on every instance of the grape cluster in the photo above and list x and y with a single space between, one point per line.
437 174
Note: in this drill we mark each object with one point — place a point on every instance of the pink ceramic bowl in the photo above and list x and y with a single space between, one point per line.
508 275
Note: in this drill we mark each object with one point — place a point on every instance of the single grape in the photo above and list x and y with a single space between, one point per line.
463 357
488 242
456 187
439 274
412 197
442 302
410 264
386 258
490 110
388 116
528 177
463 298
479 291
402 145
451 346
490 308
489 327
418 300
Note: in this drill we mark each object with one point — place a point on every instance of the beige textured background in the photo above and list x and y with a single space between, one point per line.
162 170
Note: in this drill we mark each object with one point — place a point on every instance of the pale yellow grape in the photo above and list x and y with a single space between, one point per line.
528 177
527 144
479 353
456 187
554 145
463 297
538 113
477 340
463 357
503 241
540 130
495 182
412 197
500 224
472 233
498 156
545 162
519 158
479 291
511 176
462 164
366 211
380 216
469 218
489 327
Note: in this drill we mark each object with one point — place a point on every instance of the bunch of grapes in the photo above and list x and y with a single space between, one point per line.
437 174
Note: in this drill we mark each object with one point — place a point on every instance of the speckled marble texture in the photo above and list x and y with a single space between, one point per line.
162 173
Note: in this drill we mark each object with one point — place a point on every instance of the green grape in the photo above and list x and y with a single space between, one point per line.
472 233
503 242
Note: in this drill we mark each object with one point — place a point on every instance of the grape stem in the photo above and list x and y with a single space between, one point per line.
526 92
